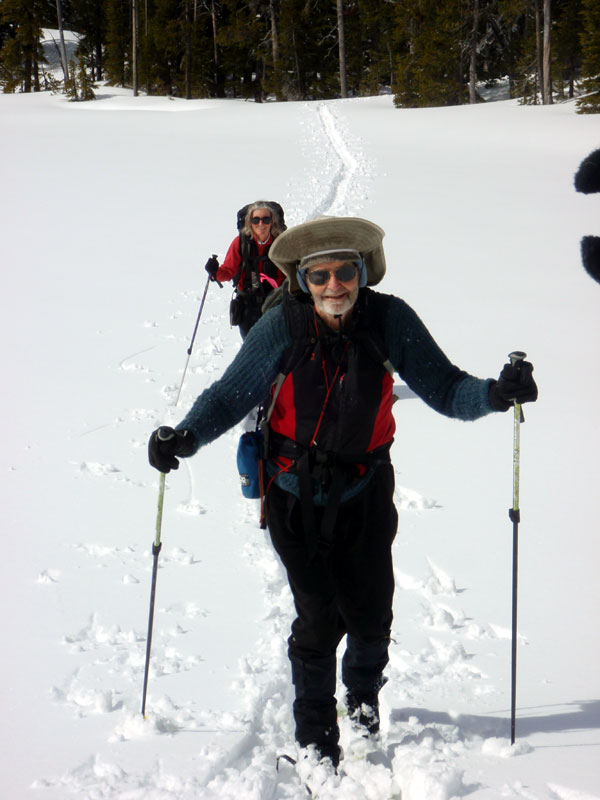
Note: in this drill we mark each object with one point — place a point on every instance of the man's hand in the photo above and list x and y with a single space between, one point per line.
165 443
515 384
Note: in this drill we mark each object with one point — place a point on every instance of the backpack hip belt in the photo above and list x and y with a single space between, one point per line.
333 470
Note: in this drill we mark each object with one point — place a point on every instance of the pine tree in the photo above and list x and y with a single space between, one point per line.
245 46
118 42
590 45
71 82
85 84
22 52
377 47
567 47
88 18
432 70
545 56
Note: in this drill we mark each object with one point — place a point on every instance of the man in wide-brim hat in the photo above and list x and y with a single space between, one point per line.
326 355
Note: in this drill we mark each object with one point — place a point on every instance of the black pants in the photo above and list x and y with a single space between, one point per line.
347 588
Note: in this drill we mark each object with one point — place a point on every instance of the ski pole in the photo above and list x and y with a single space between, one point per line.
157 544
189 350
516 357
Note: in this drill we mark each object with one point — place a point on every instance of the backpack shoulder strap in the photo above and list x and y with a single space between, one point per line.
372 332
246 247
298 314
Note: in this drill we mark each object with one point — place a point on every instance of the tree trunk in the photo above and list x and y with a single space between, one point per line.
299 79
538 51
275 50
188 51
61 36
473 60
27 73
98 61
134 47
547 69
342 48
219 88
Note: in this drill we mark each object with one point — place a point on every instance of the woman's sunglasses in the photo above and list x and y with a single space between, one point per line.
256 220
319 277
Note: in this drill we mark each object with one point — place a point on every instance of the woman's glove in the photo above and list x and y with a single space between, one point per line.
212 266
165 443
514 384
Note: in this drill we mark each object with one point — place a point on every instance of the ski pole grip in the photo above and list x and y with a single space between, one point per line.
220 285
516 357
165 434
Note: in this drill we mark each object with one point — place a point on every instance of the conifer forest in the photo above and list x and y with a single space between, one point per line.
424 52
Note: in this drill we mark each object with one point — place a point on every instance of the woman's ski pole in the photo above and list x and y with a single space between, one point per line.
190 348
155 551
516 357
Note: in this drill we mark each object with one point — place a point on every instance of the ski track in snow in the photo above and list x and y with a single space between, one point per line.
420 756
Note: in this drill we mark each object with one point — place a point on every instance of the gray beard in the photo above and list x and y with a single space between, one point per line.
334 309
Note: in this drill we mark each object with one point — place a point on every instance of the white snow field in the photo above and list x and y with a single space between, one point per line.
109 212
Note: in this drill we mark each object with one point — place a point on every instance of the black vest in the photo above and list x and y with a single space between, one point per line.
337 394
253 263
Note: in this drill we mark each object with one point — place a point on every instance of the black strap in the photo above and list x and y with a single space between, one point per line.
282 447
307 507
246 246
338 480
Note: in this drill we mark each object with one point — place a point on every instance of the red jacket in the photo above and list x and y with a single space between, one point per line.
233 261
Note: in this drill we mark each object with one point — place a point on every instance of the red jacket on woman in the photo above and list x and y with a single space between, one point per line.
232 263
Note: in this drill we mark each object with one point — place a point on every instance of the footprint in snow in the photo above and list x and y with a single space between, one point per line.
409 500
141 414
48 576
85 700
97 470
437 582
443 618
192 507
179 556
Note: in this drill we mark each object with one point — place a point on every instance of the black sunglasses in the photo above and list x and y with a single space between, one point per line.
256 220
319 277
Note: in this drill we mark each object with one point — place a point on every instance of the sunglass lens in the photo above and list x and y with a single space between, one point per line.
256 220
345 273
318 277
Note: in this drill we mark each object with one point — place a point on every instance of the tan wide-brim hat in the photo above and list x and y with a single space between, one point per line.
330 233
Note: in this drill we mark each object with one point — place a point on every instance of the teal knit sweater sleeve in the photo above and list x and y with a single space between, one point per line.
427 371
245 383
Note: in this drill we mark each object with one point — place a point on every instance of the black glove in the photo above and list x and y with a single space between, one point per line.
165 443
211 266
515 383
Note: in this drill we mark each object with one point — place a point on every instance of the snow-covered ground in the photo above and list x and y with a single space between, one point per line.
109 211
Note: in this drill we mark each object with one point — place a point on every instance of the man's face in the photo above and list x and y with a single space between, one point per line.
333 297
